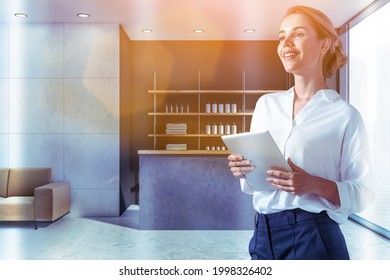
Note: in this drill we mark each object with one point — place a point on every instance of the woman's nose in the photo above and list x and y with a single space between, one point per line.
287 42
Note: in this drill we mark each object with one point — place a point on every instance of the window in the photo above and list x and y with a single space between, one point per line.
369 92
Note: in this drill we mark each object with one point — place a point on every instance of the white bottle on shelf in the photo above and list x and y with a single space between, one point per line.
234 108
181 108
208 107
188 108
177 108
215 108
234 128
227 128
166 108
227 108
171 110
208 129
214 129
220 107
220 128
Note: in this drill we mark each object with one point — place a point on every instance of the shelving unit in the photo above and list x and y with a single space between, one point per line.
199 118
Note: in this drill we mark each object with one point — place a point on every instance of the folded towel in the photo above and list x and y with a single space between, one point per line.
176 131
176 126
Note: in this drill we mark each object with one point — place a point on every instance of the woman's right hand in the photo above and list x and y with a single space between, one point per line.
240 166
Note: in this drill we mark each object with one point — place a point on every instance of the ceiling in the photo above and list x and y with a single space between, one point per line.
176 19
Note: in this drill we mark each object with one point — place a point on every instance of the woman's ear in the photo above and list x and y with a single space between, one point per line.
326 42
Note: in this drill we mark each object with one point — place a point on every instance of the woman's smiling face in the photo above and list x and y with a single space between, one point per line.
300 49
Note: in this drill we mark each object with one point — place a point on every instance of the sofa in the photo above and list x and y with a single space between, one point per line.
29 194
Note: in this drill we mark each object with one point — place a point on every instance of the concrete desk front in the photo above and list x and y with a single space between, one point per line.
191 190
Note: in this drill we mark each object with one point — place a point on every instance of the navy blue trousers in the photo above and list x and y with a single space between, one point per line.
297 235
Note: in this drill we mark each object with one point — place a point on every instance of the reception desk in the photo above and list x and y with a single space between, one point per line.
191 190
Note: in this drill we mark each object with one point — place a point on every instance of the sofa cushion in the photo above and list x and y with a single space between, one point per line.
3 181
23 181
17 208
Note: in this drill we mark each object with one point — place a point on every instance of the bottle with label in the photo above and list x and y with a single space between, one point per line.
171 108
177 108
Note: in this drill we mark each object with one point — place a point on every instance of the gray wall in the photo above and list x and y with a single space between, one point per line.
59 107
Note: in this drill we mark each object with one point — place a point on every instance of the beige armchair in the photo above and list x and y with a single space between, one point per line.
28 194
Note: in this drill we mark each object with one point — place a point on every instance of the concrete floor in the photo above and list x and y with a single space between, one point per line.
118 239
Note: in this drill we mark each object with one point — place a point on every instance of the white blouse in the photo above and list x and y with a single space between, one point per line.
326 139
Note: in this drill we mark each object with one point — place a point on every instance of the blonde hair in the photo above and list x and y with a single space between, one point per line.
335 57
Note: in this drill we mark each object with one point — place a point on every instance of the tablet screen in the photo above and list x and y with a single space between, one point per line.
261 149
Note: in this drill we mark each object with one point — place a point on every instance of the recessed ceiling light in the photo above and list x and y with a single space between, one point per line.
21 15
198 30
83 15
147 30
250 31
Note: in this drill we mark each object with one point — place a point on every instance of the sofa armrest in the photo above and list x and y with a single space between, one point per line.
51 201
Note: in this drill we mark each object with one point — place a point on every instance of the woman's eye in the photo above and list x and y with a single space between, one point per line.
281 38
299 34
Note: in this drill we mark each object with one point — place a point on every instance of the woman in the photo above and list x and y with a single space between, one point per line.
324 141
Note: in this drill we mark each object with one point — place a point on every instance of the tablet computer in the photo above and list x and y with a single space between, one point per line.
261 149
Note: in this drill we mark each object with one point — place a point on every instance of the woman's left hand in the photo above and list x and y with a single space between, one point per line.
297 181
300 182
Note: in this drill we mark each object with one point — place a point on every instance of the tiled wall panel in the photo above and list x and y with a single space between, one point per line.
4 105
3 150
33 149
101 98
36 106
4 50
91 52
59 107
36 51
92 160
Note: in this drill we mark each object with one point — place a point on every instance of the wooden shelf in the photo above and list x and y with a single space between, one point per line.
197 117
211 91
201 114
186 135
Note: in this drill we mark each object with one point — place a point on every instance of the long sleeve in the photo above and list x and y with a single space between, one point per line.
356 183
